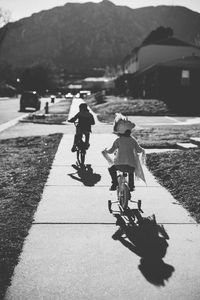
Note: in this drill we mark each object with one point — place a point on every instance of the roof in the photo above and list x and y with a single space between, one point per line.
4 85
188 62
172 41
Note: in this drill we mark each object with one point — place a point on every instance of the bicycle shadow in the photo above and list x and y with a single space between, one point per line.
85 174
149 242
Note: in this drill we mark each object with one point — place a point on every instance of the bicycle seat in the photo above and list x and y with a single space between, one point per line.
125 168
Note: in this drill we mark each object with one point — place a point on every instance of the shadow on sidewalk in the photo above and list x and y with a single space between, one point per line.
86 175
149 242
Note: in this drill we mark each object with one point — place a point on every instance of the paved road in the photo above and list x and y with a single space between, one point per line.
9 108
9 111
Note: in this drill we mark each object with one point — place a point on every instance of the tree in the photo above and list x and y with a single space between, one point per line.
158 34
5 17
37 77
7 73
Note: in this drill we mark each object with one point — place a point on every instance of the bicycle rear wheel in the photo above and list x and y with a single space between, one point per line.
124 196
81 157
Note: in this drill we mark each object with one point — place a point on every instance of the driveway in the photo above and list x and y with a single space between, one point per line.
143 121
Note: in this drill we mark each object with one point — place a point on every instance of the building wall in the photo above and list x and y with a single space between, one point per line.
132 65
165 83
98 84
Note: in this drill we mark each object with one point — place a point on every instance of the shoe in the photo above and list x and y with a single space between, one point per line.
113 187
87 146
73 148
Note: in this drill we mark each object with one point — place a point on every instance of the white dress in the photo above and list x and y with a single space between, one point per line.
126 150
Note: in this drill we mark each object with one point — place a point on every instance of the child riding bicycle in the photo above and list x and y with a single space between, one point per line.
126 149
85 120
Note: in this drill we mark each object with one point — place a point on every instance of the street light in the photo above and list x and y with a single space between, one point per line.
18 85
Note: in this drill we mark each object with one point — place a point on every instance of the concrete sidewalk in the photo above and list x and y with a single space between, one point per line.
70 253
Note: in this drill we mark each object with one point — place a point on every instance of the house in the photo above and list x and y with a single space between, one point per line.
99 83
93 84
160 51
168 70
7 90
177 82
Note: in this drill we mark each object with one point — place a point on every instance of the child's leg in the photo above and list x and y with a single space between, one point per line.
87 138
113 173
74 143
131 181
77 137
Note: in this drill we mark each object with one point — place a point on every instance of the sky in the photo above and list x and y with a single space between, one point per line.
25 8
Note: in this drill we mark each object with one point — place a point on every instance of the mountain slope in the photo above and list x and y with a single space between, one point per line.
78 36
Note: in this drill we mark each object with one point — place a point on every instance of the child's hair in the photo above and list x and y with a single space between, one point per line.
126 133
83 107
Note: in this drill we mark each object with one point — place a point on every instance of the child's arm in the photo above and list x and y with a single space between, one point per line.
72 120
92 120
138 148
113 148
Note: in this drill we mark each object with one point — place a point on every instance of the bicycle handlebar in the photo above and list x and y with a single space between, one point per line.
139 205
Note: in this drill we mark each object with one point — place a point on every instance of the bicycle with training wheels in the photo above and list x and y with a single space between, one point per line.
124 213
80 153
81 149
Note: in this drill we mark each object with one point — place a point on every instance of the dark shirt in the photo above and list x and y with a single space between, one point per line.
85 120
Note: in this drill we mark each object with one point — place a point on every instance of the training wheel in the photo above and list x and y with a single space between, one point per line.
109 206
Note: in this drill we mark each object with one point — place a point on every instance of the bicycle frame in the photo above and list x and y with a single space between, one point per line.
80 151
123 193
80 155
123 198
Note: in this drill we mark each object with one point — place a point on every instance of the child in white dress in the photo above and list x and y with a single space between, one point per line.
126 150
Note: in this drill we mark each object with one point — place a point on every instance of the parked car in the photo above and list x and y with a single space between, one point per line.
68 96
30 99
84 94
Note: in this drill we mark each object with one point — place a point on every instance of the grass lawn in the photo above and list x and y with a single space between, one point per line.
106 110
149 137
25 165
179 171
166 136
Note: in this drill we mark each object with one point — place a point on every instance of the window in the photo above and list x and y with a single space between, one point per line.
185 77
